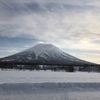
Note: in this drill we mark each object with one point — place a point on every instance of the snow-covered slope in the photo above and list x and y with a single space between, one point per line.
45 53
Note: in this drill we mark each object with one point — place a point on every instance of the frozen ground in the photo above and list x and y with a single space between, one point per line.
47 76
47 85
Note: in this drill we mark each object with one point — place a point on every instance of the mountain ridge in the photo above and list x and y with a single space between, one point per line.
45 53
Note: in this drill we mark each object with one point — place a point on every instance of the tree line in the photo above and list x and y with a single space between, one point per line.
67 68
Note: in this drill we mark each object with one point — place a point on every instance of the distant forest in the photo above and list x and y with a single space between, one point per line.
66 68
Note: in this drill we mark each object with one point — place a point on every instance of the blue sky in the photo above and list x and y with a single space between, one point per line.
72 25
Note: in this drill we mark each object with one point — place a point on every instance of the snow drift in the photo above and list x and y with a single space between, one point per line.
50 91
30 88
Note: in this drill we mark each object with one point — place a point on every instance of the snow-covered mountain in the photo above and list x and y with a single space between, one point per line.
45 54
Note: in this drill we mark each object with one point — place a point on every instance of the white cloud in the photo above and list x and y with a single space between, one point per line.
9 49
71 24
26 46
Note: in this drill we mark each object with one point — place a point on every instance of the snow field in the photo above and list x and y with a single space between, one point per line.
12 76
47 85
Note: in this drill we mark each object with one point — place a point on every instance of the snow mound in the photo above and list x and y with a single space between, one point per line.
50 91
28 88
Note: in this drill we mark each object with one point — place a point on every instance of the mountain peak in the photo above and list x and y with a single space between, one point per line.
43 45
45 53
43 49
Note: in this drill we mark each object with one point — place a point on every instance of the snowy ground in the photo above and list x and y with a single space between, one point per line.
47 85
47 76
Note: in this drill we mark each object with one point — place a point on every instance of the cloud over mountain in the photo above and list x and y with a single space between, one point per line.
70 23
